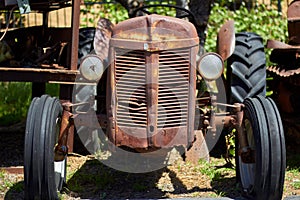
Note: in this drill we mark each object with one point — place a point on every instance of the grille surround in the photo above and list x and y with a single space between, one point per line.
152 36
152 95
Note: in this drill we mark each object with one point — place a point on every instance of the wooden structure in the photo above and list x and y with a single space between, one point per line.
40 75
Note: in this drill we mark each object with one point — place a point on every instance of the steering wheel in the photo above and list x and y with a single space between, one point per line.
186 12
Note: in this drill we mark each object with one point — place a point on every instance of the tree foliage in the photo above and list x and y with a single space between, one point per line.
269 24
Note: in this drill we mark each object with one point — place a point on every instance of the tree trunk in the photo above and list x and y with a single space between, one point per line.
201 10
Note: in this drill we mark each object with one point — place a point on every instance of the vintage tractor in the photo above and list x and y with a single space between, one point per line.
148 88
286 83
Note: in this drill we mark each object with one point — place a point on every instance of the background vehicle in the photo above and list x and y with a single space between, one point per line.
156 90
285 75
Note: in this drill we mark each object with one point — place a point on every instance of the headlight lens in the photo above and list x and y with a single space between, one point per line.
211 66
91 67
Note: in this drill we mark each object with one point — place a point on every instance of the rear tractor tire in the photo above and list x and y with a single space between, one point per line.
246 71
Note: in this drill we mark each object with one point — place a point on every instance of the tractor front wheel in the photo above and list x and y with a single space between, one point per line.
43 177
261 162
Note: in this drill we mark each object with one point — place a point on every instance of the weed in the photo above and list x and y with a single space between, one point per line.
220 193
2 174
209 170
296 184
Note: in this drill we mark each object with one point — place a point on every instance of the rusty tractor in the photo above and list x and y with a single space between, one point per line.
286 69
147 88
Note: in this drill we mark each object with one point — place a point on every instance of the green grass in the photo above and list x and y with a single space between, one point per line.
15 98
296 185
210 170
2 187
5 184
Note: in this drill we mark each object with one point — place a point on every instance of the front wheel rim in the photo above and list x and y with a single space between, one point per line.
247 170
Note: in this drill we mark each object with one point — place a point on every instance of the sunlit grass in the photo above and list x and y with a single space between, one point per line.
15 99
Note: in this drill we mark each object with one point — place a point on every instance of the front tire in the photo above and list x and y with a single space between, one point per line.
261 166
43 177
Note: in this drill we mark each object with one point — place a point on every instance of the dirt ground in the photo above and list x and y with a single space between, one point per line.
87 178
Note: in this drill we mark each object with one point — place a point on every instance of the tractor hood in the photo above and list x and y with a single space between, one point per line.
154 28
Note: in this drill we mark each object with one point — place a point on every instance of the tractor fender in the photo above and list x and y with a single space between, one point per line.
226 40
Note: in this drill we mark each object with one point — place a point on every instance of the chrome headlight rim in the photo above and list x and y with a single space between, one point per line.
210 66
91 67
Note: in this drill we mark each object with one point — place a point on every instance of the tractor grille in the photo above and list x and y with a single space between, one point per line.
173 88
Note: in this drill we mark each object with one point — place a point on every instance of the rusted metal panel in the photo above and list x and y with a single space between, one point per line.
293 12
192 95
226 40
133 137
154 46
140 84
157 33
169 137
286 85
274 44
154 28
152 78
61 149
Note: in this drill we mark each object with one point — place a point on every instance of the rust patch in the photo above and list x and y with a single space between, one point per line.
132 137
293 12
226 40
274 44
154 28
169 137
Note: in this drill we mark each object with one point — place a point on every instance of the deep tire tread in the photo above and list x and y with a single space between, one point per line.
247 67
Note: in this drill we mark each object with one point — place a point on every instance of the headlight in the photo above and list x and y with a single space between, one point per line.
211 66
91 68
